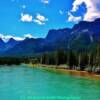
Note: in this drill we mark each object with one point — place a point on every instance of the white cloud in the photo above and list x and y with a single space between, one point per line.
40 19
6 38
38 22
12 0
45 1
26 18
73 18
61 12
28 36
23 6
92 6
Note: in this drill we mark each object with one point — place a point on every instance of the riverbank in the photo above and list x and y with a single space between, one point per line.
62 69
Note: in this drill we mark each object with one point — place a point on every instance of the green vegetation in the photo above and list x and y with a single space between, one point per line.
75 60
88 60
13 60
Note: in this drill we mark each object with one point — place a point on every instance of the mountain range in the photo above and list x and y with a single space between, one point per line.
81 36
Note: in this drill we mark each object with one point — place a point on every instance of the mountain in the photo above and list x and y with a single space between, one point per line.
58 35
52 42
57 39
84 34
11 43
2 45
26 47
81 37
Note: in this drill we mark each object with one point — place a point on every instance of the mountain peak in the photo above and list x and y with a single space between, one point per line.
1 40
11 40
97 20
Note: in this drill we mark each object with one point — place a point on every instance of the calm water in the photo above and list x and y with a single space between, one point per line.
24 83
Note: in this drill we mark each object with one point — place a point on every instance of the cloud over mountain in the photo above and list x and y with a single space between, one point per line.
7 37
92 6
73 18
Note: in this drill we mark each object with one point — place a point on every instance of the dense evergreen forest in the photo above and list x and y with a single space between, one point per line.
88 60
13 60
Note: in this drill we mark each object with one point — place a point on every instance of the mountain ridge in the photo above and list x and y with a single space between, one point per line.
80 37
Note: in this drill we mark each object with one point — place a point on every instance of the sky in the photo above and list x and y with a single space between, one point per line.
34 18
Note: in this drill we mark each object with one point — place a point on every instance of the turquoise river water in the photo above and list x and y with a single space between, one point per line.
25 83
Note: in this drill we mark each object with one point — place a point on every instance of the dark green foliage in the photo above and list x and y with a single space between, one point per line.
89 59
73 61
84 60
12 60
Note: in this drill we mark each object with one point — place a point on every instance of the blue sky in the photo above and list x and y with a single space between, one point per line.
37 17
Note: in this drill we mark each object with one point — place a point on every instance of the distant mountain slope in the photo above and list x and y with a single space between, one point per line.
80 37
2 45
58 35
11 43
26 47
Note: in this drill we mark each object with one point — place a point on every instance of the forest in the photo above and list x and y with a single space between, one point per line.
88 60
13 60
75 60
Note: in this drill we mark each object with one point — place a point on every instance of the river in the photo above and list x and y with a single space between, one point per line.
25 83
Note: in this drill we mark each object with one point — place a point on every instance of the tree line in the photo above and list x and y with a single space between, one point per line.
75 60
13 60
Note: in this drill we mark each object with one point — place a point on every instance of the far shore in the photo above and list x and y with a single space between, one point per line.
64 70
